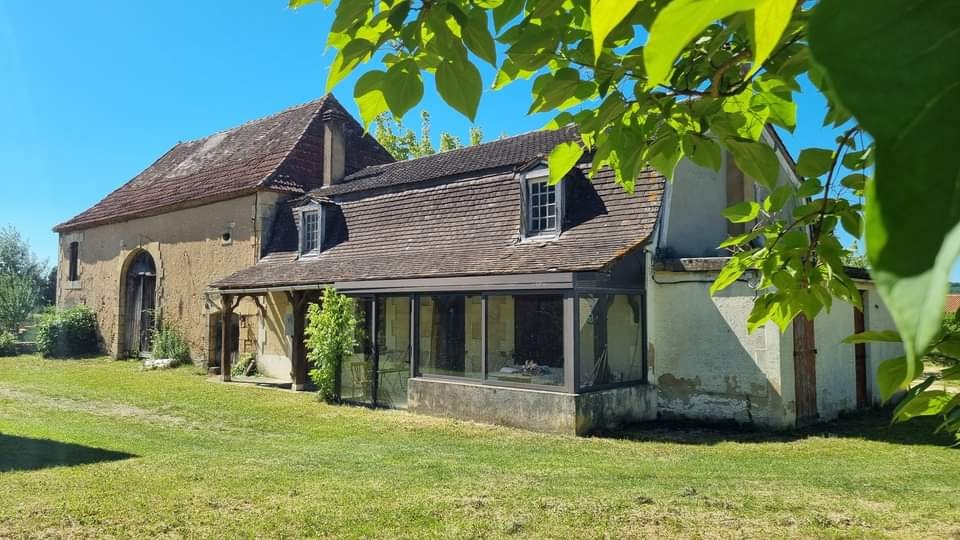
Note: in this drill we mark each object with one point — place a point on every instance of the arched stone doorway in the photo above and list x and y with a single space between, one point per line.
139 299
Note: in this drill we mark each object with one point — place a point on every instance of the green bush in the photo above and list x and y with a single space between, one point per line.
331 336
169 343
66 333
240 368
8 344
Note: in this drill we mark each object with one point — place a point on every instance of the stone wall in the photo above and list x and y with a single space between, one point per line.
190 252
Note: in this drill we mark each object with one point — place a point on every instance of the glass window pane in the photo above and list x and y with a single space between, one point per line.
542 206
311 230
611 348
525 339
356 371
450 335
393 342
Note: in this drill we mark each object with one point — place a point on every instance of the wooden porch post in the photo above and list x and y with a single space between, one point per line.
298 374
226 315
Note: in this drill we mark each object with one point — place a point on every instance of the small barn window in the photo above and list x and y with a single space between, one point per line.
74 270
310 231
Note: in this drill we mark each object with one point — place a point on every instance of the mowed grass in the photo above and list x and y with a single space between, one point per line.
100 448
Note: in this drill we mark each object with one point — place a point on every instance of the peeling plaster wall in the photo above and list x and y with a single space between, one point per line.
189 252
836 364
836 361
703 361
877 317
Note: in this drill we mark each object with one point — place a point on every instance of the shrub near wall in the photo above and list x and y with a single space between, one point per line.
66 333
8 344
169 343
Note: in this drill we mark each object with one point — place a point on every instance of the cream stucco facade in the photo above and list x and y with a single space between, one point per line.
191 248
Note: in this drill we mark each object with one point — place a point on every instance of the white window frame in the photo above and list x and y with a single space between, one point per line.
303 211
540 175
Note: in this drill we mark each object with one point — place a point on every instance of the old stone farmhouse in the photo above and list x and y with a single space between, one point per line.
487 293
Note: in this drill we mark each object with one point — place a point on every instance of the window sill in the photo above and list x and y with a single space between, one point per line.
542 238
72 285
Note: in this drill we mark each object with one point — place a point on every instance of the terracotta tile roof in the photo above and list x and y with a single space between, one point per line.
281 152
461 226
953 303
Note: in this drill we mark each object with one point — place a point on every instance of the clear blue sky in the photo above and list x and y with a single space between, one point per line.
94 92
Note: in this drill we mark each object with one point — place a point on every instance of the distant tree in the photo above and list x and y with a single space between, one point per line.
476 135
49 291
449 142
403 143
19 298
17 259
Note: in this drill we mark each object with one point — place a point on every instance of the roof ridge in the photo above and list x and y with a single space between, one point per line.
319 101
268 180
472 147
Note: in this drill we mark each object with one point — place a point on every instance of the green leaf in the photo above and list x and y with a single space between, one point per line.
739 239
346 60
950 345
814 162
757 160
675 26
742 212
294 4
889 336
855 181
929 403
912 227
402 87
476 36
852 223
729 274
369 96
777 96
506 12
701 150
768 21
664 154
459 84
890 376
809 188
605 15
777 199
562 158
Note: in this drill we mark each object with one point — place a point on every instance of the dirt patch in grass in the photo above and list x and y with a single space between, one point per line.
99 408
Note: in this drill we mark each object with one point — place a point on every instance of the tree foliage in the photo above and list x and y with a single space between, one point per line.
19 298
650 82
403 143
331 335
17 259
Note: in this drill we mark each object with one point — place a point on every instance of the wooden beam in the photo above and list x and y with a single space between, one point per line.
298 362
227 305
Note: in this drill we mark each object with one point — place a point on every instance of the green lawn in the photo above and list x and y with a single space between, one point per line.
99 448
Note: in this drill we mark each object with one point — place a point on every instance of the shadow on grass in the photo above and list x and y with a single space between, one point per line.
26 454
873 425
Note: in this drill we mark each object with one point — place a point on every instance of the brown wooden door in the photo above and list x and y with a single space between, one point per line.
140 285
805 369
860 353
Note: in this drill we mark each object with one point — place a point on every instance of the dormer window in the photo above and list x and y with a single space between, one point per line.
310 239
543 205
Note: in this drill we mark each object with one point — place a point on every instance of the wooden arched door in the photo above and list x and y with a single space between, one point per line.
140 293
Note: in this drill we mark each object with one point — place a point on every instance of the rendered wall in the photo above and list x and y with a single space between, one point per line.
189 253
276 335
705 364
536 410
